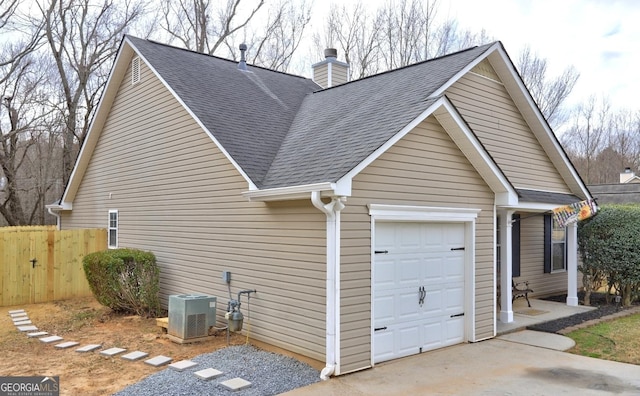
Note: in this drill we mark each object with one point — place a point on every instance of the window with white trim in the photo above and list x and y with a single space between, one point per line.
558 247
112 234
555 246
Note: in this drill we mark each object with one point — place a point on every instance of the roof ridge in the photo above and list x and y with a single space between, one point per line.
214 56
410 65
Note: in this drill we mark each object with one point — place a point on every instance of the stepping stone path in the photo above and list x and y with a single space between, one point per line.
89 348
37 334
158 361
112 351
27 328
66 345
236 384
182 365
135 355
24 324
50 339
208 374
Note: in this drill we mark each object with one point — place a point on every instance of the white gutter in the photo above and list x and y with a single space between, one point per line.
332 211
56 214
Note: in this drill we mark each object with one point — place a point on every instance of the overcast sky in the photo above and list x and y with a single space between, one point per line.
600 38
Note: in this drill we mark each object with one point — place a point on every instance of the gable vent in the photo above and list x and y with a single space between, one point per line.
135 70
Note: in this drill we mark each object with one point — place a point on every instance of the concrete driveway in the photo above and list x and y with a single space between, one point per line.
508 365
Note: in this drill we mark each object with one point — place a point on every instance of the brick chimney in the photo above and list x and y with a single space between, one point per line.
330 72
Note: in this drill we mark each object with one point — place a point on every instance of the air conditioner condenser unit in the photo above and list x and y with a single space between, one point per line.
191 315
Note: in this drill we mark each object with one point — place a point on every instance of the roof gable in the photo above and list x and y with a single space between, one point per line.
336 129
281 132
248 112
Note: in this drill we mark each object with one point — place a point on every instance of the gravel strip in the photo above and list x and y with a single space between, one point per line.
268 372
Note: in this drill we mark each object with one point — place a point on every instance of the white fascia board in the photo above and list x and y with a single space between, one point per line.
373 156
290 193
440 91
533 111
531 207
198 121
59 207
95 126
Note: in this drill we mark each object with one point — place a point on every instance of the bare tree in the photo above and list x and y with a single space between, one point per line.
548 92
83 36
274 45
397 34
356 34
587 136
21 116
200 26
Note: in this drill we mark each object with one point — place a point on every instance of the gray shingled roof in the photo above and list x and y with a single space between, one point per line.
547 197
281 129
248 113
616 193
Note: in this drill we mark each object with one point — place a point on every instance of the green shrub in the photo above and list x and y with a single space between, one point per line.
125 280
609 245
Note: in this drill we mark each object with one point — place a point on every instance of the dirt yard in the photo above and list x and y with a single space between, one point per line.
86 321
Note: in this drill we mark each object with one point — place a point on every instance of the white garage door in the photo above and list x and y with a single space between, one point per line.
418 288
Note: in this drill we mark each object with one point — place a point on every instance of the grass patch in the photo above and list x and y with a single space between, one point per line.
617 340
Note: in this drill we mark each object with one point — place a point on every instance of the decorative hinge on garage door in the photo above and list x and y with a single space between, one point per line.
381 251
460 248
457 315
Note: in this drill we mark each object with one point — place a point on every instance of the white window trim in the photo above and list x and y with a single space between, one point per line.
109 229
564 264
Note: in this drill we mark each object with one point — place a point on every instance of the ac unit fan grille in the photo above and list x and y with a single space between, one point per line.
196 325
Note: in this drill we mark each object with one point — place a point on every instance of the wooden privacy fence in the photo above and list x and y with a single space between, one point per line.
40 263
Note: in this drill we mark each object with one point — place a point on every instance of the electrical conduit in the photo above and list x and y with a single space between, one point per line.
332 211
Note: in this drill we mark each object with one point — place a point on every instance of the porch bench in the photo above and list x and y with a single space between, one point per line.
517 291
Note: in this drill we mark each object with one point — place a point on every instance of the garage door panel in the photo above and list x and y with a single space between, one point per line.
455 331
419 258
384 310
432 302
432 269
407 269
385 273
407 337
454 299
385 345
432 335
407 238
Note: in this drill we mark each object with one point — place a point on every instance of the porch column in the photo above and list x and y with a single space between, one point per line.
572 264
506 270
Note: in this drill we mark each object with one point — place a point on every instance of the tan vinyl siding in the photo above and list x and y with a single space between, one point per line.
321 75
532 259
493 116
178 196
424 168
484 69
338 74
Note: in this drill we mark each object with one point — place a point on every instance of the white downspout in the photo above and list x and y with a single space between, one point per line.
332 211
57 216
